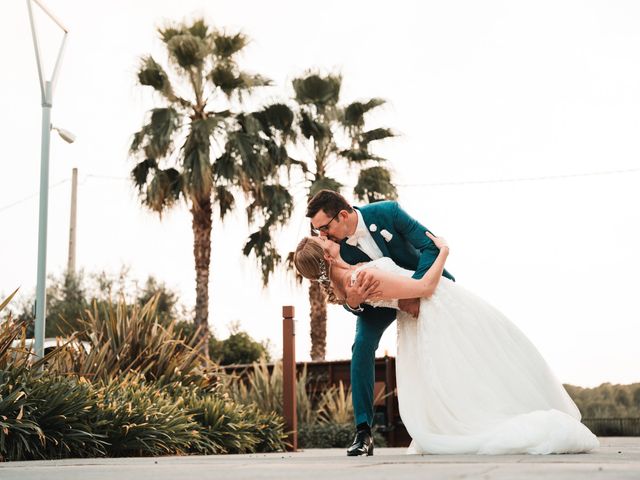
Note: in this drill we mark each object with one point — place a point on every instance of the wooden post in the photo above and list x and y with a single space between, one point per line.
390 386
289 376
71 262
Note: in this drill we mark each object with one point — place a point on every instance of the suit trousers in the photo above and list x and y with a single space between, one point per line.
363 355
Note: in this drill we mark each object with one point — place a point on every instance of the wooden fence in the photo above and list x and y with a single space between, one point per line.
613 427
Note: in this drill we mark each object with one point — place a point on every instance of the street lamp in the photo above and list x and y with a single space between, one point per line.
46 90
66 135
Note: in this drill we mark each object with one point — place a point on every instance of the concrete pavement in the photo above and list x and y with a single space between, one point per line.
617 458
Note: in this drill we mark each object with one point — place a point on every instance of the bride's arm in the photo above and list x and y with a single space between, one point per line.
394 286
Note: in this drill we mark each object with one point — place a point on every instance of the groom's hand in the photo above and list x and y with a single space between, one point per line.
410 306
364 288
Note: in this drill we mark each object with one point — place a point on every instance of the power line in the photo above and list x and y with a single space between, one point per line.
402 185
521 179
33 195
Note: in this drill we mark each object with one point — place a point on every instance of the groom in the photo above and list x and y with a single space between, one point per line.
367 233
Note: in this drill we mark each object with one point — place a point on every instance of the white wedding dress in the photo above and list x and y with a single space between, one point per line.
470 382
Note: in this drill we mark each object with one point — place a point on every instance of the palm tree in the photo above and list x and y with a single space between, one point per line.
326 125
222 150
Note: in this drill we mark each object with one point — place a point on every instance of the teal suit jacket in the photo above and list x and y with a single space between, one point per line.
406 244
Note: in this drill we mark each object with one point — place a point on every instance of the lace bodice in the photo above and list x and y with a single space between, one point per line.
385 264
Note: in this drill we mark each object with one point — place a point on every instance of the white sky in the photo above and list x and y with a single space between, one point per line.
479 91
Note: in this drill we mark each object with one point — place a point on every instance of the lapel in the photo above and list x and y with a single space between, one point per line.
352 255
380 241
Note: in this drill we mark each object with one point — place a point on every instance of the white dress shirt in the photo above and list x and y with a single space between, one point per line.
362 239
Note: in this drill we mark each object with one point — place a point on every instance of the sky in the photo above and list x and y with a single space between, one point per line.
518 122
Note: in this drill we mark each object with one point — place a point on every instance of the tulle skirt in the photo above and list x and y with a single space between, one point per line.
470 382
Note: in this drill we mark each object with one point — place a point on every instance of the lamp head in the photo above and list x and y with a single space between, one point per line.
66 135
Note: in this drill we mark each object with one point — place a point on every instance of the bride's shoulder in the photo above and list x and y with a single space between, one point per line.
381 262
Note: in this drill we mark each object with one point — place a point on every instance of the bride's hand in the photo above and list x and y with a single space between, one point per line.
439 242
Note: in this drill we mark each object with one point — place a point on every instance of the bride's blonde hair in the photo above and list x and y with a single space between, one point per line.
310 263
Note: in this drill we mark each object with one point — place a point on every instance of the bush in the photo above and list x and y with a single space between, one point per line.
123 340
238 348
140 419
229 427
44 416
331 435
263 389
137 391
72 293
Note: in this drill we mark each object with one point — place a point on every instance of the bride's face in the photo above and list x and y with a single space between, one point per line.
330 248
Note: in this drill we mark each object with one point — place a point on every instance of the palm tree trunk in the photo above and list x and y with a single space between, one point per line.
201 224
318 314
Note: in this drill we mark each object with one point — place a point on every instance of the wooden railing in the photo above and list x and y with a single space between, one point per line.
613 427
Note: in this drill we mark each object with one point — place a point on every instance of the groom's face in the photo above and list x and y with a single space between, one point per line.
334 227
330 248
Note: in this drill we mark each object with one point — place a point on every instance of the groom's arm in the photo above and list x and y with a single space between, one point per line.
358 292
415 233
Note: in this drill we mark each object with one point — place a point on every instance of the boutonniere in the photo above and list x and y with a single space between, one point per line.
386 235
373 227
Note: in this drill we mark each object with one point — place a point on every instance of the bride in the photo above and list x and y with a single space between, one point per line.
468 380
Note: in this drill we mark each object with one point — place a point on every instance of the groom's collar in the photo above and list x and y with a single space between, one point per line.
361 229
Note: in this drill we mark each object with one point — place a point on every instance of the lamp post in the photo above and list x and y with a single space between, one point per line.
46 90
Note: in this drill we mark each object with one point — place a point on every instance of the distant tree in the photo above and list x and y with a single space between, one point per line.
636 397
622 397
238 348
70 295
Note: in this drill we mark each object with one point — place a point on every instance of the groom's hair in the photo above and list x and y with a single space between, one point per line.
329 201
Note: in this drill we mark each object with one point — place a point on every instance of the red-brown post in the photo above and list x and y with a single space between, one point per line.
289 376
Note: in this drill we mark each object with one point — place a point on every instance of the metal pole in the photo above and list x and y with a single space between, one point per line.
42 223
71 264
46 89
289 406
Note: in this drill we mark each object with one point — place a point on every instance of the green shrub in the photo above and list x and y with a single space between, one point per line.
264 389
125 339
331 435
136 391
238 348
46 416
140 419
233 428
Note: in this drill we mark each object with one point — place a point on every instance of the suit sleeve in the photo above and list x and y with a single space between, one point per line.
368 312
415 234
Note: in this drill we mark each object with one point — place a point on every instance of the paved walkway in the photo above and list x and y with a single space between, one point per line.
617 458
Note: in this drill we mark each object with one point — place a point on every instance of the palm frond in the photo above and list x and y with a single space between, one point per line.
164 123
376 134
153 75
279 117
163 190
354 112
226 46
199 28
226 200
322 183
197 174
225 167
226 77
359 155
261 244
140 172
188 50
317 90
311 128
374 184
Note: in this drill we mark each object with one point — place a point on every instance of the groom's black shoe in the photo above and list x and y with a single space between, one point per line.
362 444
